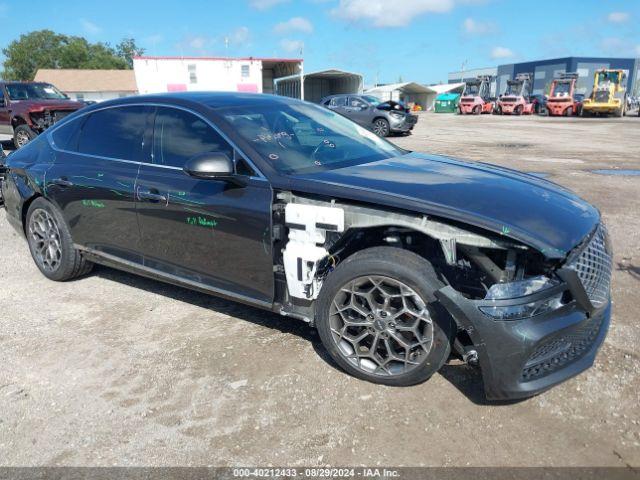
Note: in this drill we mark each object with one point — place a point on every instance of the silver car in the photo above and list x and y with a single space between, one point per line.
383 118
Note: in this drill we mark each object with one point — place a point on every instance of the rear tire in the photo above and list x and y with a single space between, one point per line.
22 135
379 320
51 244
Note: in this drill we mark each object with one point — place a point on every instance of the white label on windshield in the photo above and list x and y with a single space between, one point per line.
49 90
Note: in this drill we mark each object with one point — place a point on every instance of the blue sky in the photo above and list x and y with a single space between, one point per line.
418 40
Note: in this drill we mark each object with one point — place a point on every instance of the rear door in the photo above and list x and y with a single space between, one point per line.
208 232
93 179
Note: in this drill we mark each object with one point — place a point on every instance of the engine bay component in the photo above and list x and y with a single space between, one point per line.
308 226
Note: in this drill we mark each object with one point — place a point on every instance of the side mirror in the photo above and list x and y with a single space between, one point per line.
212 166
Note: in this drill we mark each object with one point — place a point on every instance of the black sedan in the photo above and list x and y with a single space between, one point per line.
399 259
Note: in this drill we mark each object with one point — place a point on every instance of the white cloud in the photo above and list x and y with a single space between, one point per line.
474 27
240 37
386 13
618 17
266 4
295 24
501 52
292 46
90 27
199 44
154 39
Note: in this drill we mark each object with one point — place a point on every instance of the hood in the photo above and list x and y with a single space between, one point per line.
44 104
531 210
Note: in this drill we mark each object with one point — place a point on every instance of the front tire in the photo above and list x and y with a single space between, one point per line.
51 245
22 135
381 127
379 320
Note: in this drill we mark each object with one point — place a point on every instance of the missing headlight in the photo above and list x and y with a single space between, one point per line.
523 289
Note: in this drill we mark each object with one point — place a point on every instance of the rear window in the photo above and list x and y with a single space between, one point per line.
65 137
114 133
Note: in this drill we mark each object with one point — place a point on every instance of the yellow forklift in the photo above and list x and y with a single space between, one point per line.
609 96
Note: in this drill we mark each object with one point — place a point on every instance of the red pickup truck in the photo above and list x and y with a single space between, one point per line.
29 108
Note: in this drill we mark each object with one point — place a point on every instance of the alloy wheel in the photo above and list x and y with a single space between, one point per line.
381 326
44 236
22 138
381 128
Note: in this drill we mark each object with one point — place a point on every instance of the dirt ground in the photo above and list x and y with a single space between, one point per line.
113 369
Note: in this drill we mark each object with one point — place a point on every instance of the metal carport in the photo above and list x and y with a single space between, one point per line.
318 85
411 92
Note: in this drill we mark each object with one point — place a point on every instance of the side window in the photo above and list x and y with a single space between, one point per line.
65 137
355 102
180 135
338 102
114 133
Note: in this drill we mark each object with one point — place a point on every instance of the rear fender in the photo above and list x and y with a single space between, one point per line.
25 179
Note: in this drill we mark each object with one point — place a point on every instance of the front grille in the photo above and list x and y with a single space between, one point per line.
467 100
561 351
593 266
509 99
602 96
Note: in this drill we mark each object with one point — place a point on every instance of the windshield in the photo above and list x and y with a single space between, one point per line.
298 138
472 90
562 89
29 91
372 100
606 77
514 89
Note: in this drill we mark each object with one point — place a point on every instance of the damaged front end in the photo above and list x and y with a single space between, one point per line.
528 321
41 120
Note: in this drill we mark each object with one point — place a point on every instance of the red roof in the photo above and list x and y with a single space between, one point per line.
281 60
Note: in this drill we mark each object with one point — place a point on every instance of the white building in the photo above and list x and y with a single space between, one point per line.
90 85
181 74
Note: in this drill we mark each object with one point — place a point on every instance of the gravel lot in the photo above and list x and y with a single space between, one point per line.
113 369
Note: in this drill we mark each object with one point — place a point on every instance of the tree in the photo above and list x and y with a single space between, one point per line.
35 50
47 49
127 49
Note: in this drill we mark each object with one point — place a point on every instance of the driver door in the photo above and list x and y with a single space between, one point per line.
209 232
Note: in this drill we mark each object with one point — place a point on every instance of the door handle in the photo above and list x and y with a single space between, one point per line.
151 195
62 182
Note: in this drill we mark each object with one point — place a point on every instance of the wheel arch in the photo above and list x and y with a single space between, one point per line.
18 120
25 209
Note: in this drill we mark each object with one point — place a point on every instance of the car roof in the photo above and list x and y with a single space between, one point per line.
209 99
11 82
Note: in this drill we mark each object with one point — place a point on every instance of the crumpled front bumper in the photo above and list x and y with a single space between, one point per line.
404 124
521 358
